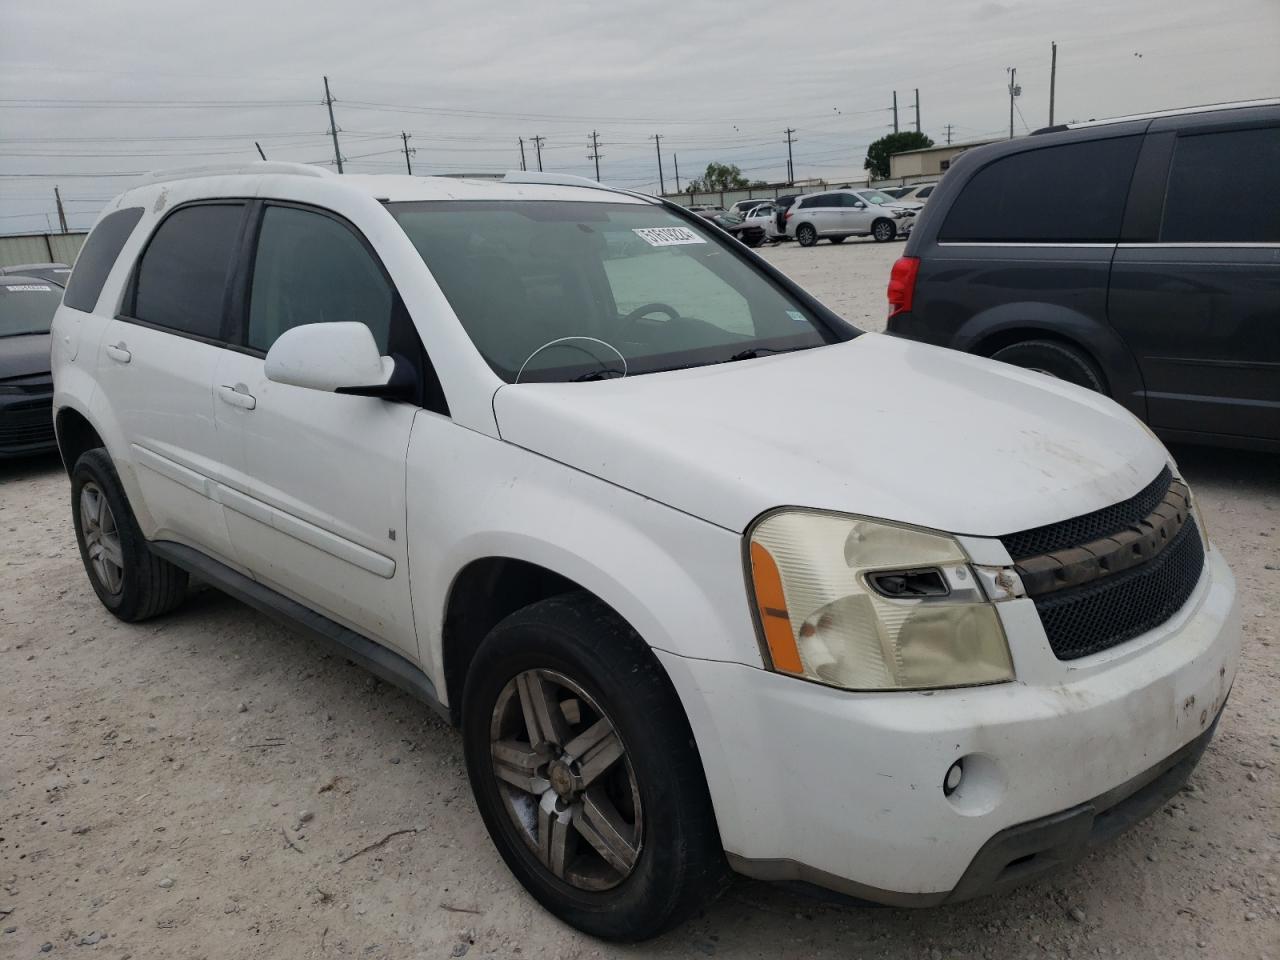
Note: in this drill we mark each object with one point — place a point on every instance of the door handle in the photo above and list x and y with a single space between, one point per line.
119 352
237 396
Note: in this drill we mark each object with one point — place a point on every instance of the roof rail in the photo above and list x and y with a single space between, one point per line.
1177 112
230 169
555 179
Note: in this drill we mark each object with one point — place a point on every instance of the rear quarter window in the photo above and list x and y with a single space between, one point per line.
1224 187
98 256
1072 193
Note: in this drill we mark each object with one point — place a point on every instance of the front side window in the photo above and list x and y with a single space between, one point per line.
924 193
98 256
311 268
878 197
181 281
1073 193
1224 188
27 307
656 289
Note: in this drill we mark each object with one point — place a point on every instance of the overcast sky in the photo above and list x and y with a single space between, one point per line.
123 86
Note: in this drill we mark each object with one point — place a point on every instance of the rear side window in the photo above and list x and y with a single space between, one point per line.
1224 188
1074 193
181 281
822 200
98 256
310 268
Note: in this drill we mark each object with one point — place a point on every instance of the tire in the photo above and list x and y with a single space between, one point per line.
838 239
670 862
140 585
1056 360
754 243
884 230
806 234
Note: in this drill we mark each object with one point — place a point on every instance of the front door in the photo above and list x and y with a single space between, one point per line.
315 483
1200 306
157 364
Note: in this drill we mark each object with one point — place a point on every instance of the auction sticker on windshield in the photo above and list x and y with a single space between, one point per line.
24 287
667 236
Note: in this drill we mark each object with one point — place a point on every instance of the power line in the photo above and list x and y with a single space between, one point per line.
333 126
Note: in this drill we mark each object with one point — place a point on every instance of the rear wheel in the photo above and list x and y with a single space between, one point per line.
806 234
128 578
584 770
1055 360
883 231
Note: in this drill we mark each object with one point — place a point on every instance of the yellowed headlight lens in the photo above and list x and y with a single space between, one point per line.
823 619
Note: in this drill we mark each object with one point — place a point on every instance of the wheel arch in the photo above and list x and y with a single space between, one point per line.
76 435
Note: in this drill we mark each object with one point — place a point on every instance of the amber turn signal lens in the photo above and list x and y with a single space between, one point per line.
774 618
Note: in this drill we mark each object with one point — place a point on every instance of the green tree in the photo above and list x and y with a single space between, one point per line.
719 176
878 154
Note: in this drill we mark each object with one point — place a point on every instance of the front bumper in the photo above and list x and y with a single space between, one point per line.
26 424
845 790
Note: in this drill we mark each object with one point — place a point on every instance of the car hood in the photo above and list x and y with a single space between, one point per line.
25 355
876 426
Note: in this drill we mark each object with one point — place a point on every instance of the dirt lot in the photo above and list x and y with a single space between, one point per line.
155 780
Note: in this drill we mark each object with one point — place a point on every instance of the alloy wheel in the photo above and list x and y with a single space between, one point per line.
566 781
101 538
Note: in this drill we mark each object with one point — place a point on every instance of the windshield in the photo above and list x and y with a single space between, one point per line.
876 196
632 286
27 307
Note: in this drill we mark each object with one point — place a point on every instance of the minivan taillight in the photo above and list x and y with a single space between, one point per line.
902 284
790 211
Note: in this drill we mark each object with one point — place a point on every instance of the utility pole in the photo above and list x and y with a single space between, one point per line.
949 134
333 127
917 109
522 166
657 143
1013 92
895 111
675 158
537 145
62 214
595 152
1053 78
791 167
259 146
404 137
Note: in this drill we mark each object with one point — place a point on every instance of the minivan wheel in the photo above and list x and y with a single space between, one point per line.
128 578
1056 360
585 772
806 234
883 231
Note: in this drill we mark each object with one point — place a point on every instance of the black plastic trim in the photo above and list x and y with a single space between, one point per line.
377 659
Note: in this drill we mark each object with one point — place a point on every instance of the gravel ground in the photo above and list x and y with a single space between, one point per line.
203 785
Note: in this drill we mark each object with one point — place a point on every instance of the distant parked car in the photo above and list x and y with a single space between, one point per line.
766 216
1139 258
781 205
894 192
55 272
751 233
742 207
915 193
838 214
703 209
27 305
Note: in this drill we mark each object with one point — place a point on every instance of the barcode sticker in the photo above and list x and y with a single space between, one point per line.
667 236
24 287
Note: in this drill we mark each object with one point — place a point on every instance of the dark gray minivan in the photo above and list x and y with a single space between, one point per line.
1137 257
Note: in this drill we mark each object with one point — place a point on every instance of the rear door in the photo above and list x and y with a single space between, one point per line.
1195 289
156 367
314 484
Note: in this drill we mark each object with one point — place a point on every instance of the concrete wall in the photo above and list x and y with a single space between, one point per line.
41 248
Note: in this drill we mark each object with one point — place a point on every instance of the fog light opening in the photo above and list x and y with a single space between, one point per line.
951 782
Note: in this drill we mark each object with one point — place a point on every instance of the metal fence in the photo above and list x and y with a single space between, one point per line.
726 198
41 248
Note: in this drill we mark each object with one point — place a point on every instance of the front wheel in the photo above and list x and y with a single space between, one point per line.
1054 359
883 231
585 773
807 234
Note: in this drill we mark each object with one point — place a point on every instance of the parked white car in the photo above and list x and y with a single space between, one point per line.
838 214
708 578
765 215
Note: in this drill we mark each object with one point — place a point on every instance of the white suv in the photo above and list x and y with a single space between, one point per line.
707 577
837 214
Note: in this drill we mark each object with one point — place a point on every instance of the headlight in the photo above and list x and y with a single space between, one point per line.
868 605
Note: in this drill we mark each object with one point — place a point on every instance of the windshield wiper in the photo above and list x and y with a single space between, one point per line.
596 375
754 352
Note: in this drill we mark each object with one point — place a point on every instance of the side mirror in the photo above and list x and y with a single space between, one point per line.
859 204
333 357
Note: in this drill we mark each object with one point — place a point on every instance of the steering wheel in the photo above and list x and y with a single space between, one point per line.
632 319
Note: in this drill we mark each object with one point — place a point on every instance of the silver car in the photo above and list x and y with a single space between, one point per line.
837 214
